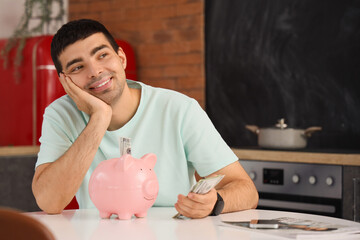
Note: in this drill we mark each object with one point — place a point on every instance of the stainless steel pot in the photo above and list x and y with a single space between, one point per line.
281 137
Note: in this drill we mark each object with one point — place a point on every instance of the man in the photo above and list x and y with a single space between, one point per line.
83 128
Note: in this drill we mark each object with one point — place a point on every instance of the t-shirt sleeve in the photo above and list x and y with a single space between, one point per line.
204 147
55 138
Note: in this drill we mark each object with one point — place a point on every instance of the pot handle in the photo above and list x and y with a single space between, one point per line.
309 131
253 128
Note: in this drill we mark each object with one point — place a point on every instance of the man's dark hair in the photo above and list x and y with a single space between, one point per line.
73 31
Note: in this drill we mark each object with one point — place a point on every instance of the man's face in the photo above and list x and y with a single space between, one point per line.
95 67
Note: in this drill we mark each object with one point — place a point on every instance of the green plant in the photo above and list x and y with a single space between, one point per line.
37 19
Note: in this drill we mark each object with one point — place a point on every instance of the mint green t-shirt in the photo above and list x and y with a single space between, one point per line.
167 123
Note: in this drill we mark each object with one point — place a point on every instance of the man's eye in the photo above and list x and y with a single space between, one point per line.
103 55
76 68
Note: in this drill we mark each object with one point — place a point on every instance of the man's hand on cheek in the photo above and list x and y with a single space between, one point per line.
84 101
196 205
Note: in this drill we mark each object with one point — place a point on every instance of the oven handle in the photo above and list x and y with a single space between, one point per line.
297 206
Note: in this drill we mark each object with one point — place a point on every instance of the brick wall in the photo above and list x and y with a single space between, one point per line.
167 36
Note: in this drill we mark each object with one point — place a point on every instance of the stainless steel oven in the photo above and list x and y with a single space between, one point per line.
297 187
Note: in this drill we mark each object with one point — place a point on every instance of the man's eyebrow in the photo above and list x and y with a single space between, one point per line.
92 53
73 62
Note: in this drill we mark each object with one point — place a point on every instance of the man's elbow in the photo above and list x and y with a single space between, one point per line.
254 196
255 199
50 206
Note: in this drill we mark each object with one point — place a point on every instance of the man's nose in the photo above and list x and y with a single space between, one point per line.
95 69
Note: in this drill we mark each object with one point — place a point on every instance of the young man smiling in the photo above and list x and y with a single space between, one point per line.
83 128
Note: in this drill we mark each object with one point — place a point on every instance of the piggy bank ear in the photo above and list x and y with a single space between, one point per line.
125 162
149 160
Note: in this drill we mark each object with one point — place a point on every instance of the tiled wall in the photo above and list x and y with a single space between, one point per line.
167 36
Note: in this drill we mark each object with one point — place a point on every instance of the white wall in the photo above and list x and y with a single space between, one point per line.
10 16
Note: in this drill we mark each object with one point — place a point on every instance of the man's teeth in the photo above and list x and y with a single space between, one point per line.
102 83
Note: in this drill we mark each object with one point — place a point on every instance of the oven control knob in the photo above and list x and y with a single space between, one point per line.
252 175
312 180
329 181
295 178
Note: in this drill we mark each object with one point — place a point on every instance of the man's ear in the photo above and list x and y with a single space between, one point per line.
122 56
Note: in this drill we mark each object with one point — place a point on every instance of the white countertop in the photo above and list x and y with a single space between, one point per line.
159 224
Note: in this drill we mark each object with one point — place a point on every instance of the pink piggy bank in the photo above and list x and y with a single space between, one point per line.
124 186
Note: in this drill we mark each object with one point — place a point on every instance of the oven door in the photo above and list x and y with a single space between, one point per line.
303 204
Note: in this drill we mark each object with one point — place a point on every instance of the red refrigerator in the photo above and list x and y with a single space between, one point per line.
24 99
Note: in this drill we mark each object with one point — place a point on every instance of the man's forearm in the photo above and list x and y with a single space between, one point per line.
239 195
57 183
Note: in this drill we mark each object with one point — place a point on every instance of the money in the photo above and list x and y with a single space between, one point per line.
125 146
206 184
201 187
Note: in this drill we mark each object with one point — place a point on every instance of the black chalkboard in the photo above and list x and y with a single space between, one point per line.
292 59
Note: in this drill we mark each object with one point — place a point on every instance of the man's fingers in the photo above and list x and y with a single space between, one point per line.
191 208
70 87
183 207
63 81
190 212
196 205
66 83
203 198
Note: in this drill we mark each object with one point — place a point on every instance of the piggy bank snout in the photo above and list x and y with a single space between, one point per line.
150 189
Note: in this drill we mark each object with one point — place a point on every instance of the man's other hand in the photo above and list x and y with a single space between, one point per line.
196 205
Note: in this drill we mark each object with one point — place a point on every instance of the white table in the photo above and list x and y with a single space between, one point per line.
159 224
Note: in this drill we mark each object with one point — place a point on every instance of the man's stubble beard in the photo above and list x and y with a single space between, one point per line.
111 97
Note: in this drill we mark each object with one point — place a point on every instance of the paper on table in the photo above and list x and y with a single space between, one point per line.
338 232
